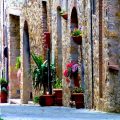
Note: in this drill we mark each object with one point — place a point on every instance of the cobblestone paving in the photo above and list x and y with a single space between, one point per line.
31 112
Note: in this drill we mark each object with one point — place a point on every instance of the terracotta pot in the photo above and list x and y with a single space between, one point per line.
58 96
65 16
77 39
79 99
46 100
3 97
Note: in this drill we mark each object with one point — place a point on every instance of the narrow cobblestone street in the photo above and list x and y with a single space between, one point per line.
31 112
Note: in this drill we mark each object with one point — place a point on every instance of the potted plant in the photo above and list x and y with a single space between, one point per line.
40 79
58 91
4 90
78 97
77 36
64 14
36 99
18 68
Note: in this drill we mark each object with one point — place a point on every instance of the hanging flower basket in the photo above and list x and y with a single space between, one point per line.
113 68
65 16
77 36
77 39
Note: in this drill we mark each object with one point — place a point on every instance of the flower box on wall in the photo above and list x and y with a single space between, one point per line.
113 68
64 14
77 39
77 36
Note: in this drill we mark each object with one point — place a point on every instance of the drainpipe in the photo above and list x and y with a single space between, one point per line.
92 55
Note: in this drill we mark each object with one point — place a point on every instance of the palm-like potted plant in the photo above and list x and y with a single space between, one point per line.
77 36
4 90
40 79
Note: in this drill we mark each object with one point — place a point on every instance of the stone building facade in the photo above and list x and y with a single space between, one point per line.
98 56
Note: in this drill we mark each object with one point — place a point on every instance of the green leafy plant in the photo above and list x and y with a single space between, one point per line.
40 72
57 83
3 81
63 12
4 85
36 99
76 32
78 90
1 119
18 62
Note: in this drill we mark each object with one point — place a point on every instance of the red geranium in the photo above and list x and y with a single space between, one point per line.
70 71
65 73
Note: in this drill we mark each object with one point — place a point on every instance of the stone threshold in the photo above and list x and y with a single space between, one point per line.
14 101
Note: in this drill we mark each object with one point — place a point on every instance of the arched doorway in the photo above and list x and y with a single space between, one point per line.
26 84
74 48
76 56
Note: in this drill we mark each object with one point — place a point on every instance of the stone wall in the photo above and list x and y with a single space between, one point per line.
106 81
112 80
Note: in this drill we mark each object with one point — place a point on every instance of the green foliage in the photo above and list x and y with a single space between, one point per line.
36 99
18 62
37 71
4 84
62 12
76 32
40 72
57 83
78 90
1 119
3 81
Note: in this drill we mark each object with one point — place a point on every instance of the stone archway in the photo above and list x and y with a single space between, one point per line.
74 24
26 83
74 49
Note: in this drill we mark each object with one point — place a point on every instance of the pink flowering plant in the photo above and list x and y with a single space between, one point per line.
71 70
